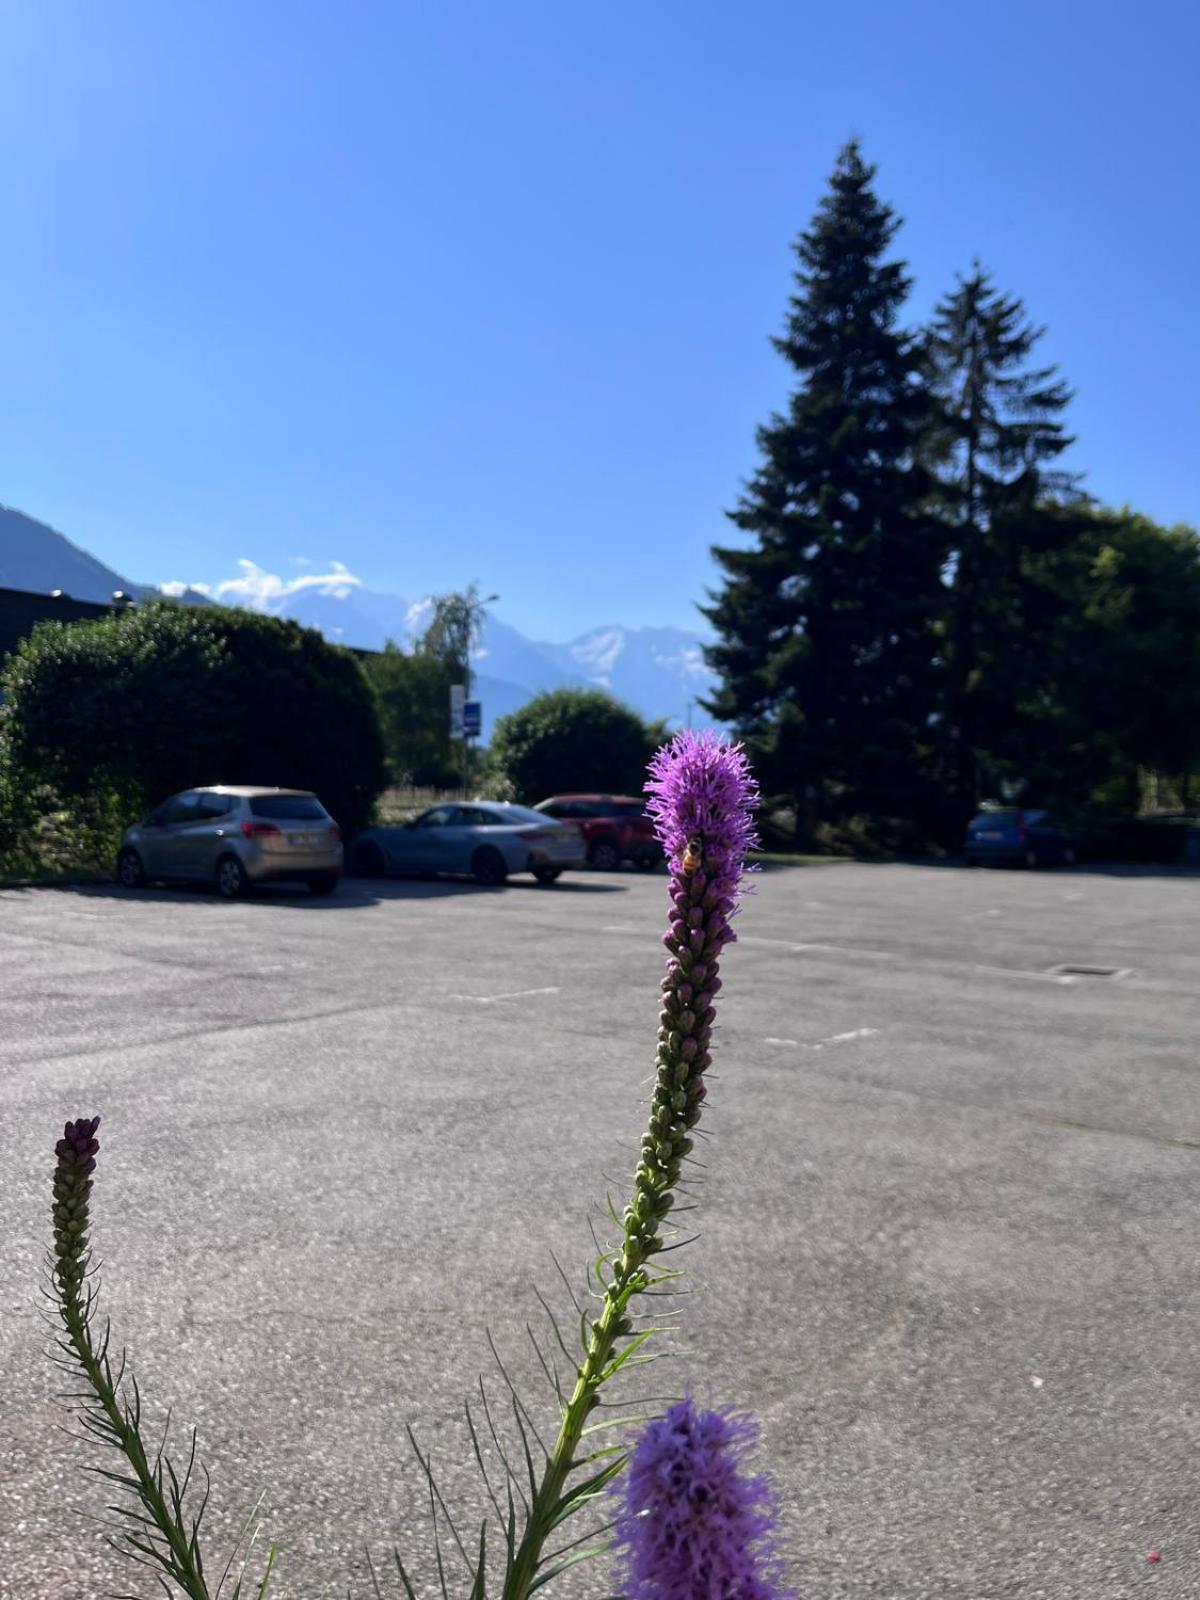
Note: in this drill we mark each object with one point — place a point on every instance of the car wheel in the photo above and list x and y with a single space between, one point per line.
1031 858
604 856
488 867
231 878
368 861
647 861
547 874
325 885
130 872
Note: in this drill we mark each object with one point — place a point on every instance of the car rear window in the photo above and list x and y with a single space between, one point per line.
512 815
628 808
288 807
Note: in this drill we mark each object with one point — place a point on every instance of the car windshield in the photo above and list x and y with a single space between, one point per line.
289 807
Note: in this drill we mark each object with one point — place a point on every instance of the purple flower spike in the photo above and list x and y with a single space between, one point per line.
694 1524
76 1152
702 800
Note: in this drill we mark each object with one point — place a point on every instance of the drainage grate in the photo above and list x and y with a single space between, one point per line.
1074 970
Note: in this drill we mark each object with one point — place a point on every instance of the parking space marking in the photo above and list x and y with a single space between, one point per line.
819 1044
844 1038
516 994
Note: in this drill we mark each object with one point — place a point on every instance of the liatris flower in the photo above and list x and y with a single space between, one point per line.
694 1524
161 1531
76 1152
702 803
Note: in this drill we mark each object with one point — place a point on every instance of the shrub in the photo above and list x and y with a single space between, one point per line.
111 716
573 739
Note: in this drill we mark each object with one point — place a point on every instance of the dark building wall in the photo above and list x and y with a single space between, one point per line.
20 611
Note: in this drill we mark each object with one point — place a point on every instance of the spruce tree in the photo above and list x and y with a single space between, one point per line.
999 433
826 646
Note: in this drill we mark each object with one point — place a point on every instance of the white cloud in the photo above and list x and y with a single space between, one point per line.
176 588
260 590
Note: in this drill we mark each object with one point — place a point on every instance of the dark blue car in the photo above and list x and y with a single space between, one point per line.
1012 837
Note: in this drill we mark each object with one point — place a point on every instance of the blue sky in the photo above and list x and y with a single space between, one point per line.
446 291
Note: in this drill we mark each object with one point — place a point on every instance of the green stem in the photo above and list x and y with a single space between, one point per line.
184 1563
601 1345
698 933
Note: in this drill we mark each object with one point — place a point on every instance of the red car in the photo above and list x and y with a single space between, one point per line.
615 828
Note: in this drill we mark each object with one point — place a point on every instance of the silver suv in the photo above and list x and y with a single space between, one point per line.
233 837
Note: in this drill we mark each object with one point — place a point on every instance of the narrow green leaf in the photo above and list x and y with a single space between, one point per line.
572 1560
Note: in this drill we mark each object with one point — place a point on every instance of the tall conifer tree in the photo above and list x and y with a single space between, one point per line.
999 435
826 648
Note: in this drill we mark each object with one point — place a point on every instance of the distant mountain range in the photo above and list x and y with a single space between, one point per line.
660 672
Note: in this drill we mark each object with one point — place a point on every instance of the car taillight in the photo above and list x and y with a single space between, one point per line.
335 830
258 830
1022 831
535 833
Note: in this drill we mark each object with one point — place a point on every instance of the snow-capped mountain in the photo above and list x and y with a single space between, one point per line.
660 672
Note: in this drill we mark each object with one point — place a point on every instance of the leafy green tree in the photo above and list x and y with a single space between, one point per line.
826 648
571 740
453 631
998 434
163 697
412 689
1136 660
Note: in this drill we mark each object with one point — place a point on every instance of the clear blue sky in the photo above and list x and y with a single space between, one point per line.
447 291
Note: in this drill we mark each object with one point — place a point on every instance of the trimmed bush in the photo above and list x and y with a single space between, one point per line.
114 715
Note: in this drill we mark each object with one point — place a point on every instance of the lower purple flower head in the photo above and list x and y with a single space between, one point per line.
694 1524
702 800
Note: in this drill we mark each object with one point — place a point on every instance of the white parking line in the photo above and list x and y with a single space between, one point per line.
819 1044
823 949
516 994
855 1033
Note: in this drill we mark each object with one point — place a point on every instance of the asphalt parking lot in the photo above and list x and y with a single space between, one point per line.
948 1227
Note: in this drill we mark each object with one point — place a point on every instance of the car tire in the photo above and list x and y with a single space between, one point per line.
488 867
647 860
231 879
547 874
367 861
130 872
325 885
605 855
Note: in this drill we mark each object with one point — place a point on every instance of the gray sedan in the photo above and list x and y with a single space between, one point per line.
487 839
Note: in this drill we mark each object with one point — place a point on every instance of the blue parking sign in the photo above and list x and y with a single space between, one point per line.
472 718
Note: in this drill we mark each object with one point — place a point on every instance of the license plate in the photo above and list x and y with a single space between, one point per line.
304 840
989 835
